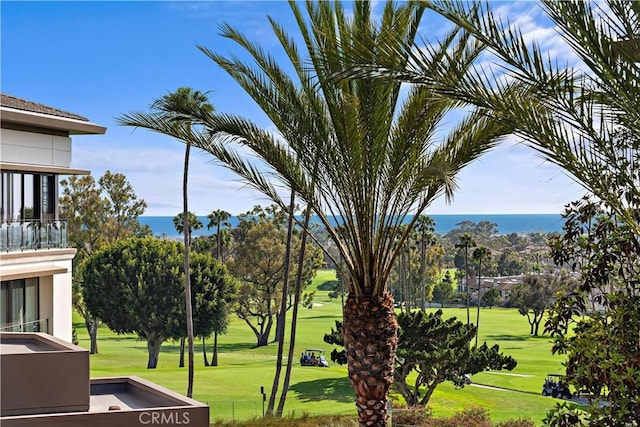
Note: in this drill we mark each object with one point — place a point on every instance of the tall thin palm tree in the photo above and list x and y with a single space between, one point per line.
425 228
176 108
361 154
294 315
466 242
480 254
216 219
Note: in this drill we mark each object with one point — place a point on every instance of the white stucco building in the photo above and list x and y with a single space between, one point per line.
35 260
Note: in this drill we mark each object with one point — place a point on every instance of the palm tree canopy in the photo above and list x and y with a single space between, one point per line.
358 152
194 222
363 154
217 217
584 119
183 103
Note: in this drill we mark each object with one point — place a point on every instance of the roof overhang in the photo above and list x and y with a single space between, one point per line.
74 127
26 272
23 167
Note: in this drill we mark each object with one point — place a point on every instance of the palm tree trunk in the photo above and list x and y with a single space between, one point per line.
204 352
478 312
422 267
283 307
294 317
214 358
181 361
466 280
370 342
187 275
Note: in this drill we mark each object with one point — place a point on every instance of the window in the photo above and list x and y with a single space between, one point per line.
27 196
19 305
48 194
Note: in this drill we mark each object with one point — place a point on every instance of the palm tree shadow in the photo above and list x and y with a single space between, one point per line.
336 389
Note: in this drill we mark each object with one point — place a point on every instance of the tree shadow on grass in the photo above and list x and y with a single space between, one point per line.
329 285
336 389
174 346
509 337
328 316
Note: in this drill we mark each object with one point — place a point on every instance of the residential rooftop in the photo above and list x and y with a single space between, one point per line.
35 107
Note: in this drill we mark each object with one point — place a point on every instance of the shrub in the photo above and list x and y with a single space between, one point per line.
471 417
520 422
74 336
411 416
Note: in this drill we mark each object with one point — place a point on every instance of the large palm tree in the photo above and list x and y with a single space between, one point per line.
363 155
175 108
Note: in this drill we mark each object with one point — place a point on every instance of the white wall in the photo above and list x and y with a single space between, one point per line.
62 306
45 302
35 148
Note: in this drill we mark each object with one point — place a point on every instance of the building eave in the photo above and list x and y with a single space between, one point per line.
23 167
74 127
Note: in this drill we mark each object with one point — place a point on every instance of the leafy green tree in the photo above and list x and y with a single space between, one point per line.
335 337
127 287
443 292
509 263
535 295
491 297
213 294
97 214
258 265
355 150
602 346
432 350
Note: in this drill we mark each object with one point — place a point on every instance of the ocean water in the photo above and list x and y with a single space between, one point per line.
507 223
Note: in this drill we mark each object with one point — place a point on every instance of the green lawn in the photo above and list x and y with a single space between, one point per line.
232 389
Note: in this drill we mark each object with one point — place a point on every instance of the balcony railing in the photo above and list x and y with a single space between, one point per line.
41 325
24 235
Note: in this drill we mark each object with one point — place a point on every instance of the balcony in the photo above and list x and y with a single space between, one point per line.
33 235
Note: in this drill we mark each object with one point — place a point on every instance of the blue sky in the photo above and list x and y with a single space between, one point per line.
103 59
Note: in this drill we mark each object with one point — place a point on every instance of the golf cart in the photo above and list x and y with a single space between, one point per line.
314 357
555 387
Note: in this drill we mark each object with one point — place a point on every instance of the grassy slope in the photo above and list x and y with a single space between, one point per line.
232 389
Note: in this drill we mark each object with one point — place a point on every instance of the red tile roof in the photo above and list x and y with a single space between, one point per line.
34 107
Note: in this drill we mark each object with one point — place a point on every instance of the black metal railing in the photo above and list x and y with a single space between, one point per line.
24 235
41 325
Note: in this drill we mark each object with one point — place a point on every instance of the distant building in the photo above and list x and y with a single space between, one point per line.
35 260
504 284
